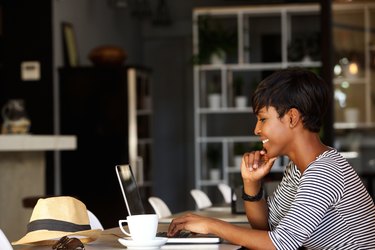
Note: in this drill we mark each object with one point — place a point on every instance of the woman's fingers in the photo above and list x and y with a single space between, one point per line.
178 224
254 159
190 222
256 164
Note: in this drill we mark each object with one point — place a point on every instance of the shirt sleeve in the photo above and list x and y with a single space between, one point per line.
320 188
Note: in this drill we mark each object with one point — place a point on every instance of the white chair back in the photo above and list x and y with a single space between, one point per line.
226 191
160 207
94 221
4 242
201 199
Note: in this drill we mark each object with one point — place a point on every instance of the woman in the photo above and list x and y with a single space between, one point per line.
321 202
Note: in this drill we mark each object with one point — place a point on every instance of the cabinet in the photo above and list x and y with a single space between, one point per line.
251 43
102 107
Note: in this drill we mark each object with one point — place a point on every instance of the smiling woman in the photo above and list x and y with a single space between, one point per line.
319 187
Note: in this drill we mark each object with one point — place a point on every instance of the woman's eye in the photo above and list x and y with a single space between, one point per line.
262 119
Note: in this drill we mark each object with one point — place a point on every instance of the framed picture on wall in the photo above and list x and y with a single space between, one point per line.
70 49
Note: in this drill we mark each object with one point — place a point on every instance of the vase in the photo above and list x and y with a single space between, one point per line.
215 174
237 161
241 101
218 57
214 101
351 115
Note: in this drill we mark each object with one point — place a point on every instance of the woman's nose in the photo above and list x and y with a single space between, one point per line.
257 129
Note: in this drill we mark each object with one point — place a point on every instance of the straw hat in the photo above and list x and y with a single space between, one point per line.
55 217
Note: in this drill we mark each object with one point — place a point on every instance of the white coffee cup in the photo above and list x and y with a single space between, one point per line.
142 227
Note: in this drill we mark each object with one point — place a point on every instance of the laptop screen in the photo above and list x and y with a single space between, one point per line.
134 205
129 190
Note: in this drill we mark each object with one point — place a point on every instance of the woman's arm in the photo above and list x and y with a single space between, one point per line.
255 165
243 236
257 213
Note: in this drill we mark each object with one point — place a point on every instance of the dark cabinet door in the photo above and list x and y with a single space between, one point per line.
94 107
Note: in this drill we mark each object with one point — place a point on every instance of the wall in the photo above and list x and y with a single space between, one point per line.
166 50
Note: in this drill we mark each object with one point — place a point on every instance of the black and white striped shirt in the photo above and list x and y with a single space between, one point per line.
327 207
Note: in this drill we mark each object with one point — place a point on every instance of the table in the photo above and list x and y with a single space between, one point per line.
108 241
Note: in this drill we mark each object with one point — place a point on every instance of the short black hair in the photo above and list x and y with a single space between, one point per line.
295 88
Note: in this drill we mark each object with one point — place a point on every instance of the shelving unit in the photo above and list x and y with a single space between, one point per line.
140 124
265 36
353 27
354 65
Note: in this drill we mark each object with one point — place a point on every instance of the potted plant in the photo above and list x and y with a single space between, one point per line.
215 42
214 159
240 98
214 97
238 151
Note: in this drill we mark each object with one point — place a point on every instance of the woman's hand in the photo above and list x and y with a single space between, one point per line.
190 222
255 165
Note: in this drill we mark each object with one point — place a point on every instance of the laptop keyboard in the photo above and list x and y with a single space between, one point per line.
181 234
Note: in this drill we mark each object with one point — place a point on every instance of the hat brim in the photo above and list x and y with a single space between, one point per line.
47 237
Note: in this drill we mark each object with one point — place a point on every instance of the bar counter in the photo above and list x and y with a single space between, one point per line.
22 174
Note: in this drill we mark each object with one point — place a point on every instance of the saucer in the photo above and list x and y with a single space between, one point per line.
150 244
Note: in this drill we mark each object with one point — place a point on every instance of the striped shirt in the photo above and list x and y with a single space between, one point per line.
327 207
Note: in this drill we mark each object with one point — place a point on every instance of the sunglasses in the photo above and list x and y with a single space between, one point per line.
66 243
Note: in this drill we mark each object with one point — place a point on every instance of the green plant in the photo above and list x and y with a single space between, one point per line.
213 155
239 149
213 38
214 85
238 84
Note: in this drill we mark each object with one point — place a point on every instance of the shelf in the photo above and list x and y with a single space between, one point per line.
352 125
226 139
257 66
264 35
233 110
351 80
210 182
144 112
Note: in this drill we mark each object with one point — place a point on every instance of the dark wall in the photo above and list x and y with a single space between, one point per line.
27 36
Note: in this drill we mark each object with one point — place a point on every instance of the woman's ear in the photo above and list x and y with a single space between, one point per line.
294 117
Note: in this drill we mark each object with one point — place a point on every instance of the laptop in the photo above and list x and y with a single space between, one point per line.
134 205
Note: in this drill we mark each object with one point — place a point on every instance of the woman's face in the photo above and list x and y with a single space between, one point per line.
274 132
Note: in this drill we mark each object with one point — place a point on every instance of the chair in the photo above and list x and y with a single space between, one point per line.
4 242
159 206
94 221
201 199
226 191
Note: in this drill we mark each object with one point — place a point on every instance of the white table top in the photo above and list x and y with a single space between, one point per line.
109 241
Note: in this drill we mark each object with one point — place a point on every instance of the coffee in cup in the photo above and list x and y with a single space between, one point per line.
141 227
